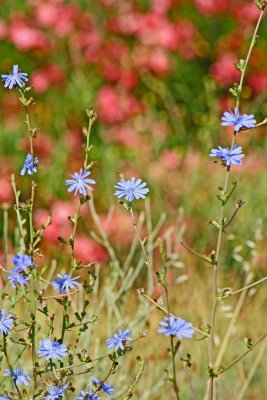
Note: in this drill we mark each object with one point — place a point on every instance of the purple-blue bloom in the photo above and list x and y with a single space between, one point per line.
80 182
176 327
6 322
104 386
228 156
18 376
52 350
66 282
88 396
14 78
118 340
18 278
131 189
55 392
30 165
22 262
239 121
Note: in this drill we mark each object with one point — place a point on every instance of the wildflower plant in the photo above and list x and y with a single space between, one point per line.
49 314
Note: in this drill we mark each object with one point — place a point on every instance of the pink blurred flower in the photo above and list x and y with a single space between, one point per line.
124 135
114 106
159 62
57 16
209 7
119 218
25 36
186 34
258 82
245 11
156 30
162 6
60 225
43 78
108 104
224 71
43 145
6 192
170 159
87 250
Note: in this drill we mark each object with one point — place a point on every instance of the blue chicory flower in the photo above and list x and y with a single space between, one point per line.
118 340
66 282
176 327
6 322
104 386
80 182
239 121
88 395
55 392
228 156
14 78
131 189
22 262
17 278
52 350
18 376
30 165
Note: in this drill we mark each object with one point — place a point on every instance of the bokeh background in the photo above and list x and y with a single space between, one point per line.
157 73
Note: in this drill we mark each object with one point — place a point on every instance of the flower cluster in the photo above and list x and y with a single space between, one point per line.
65 282
131 189
55 392
30 165
18 376
52 350
6 322
18 276
178 327
80 182
119 339
15 78
229 156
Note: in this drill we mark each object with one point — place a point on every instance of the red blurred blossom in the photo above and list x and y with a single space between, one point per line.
59 17
87 250
156 60
162 6
170 159
124 135
114 106
186 34
43 145
27 37
258 82
42 79
245 12
6 191
224 71
159 62
119 218
60 225
126 23
154 30
209 7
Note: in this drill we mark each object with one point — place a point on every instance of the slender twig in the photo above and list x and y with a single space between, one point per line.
252 371
218 247
243 288
243 355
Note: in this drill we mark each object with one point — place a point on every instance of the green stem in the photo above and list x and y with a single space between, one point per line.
218 247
